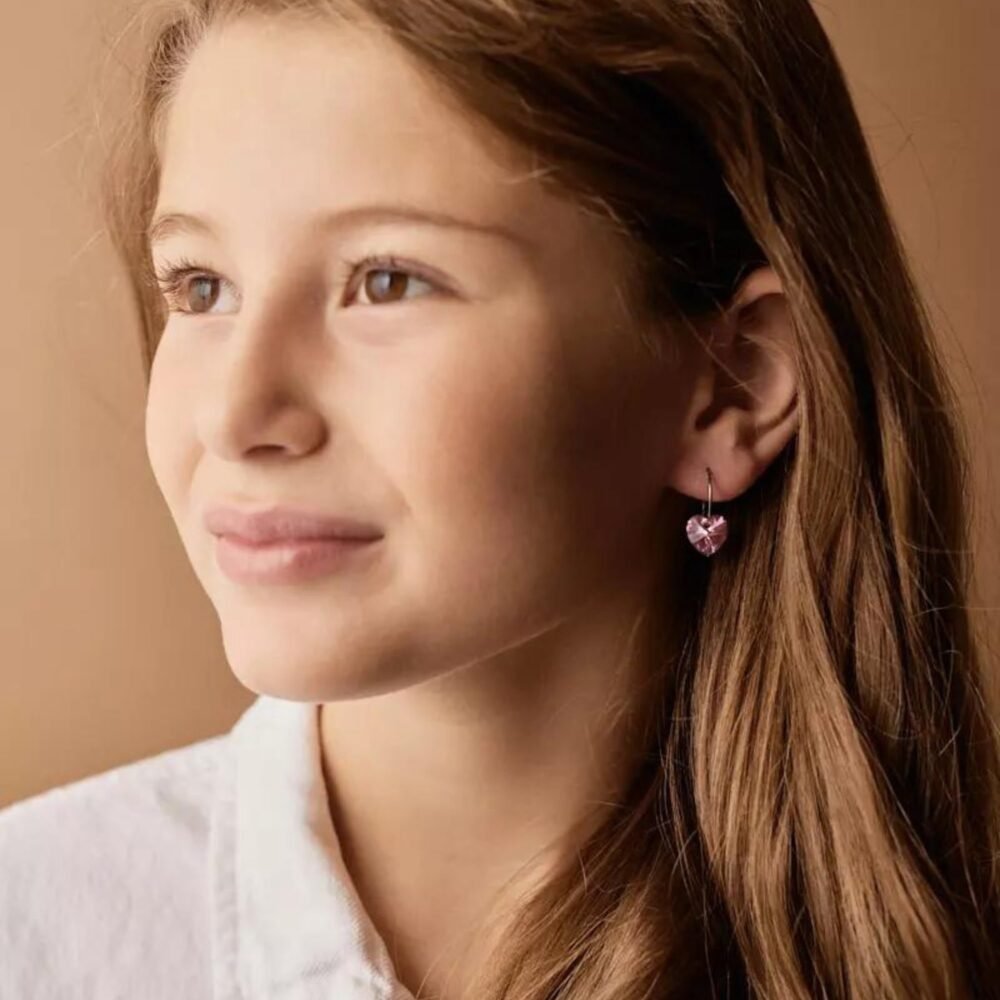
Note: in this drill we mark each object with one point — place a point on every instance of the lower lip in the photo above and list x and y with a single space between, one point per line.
287 561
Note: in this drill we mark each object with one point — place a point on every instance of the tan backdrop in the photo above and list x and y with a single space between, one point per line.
109 650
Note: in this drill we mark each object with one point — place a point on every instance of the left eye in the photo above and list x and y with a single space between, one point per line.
384 292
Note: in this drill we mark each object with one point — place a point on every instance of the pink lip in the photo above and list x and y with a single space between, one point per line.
287 561
284 544
284 524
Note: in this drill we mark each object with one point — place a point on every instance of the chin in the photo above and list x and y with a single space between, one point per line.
305 680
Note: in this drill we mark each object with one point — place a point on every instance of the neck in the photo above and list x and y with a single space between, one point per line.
443 791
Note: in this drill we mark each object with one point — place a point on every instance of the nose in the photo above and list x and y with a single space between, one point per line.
260 395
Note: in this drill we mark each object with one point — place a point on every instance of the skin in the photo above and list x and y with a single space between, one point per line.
505 430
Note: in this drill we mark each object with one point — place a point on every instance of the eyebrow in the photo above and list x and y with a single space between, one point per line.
168 223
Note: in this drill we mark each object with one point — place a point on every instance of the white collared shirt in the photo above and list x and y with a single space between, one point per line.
211 872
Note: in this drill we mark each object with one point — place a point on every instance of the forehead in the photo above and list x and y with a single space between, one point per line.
278 118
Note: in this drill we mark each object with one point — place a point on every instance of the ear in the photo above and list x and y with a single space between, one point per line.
742 409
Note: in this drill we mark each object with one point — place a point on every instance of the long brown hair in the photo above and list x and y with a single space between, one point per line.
817 813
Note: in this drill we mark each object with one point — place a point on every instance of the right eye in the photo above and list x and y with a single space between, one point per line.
179 282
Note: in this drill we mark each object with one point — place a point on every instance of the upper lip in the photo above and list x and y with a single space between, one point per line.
278 523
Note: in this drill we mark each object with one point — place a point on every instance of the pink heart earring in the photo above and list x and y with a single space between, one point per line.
705 532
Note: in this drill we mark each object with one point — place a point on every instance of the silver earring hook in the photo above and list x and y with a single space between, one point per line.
708 513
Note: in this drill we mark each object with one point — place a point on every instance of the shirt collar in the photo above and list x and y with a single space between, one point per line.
287 918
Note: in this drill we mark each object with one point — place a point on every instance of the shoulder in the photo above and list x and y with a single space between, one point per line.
165 795
161 770
103 878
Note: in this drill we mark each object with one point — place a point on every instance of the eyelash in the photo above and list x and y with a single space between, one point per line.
171 277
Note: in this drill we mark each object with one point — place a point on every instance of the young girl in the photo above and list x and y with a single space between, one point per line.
563 446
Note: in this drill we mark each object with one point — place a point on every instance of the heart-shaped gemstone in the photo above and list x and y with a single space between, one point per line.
707 534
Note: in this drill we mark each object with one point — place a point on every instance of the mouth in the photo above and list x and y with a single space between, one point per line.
285 525
287 560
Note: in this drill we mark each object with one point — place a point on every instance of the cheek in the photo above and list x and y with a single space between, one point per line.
517 474
169 433
163 422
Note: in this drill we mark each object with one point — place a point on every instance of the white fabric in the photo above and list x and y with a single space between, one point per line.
211 872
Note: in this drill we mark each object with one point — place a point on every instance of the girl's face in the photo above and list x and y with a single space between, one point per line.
481 399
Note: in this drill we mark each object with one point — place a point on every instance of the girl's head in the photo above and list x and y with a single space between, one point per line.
504 279
401 315
483 398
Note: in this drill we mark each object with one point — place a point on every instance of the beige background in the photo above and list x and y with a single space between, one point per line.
109 650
